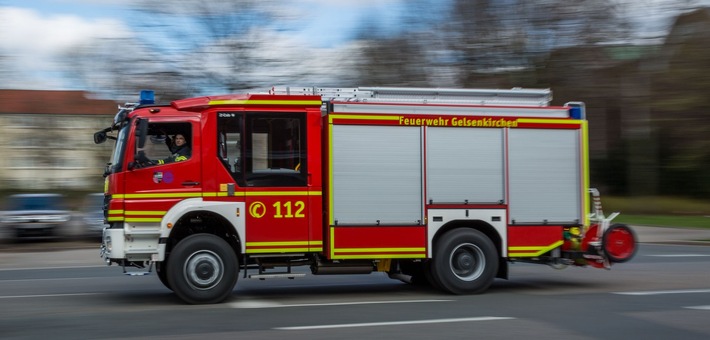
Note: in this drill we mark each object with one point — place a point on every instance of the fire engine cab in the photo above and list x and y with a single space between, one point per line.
440 186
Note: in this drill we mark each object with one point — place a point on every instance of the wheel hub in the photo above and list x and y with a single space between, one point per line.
465 262
203 270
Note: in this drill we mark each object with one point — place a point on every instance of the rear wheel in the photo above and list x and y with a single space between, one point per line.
202 269
619 243
465 262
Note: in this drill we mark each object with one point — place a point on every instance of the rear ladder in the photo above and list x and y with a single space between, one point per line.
513 97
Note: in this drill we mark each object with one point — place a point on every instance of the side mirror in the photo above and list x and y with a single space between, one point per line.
100 137
142 132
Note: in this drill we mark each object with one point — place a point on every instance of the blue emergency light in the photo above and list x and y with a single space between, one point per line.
147 97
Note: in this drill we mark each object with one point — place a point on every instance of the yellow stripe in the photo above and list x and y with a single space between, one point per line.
372 250
585 172
283 193
528 254
163 195
332 239
285 243
536 251
380 256
147 212
549 121
115 219
112 212
361 117
222 194
331 204
147 219
262 102
277 250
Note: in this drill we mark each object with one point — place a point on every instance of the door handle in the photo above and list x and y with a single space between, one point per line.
190 183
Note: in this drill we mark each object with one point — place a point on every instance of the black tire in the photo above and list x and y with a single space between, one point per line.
202 269
465 262
619 243
162 272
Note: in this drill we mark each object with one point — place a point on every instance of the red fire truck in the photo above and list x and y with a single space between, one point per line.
440 186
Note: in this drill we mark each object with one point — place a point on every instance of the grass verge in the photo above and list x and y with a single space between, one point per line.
659 211
665 220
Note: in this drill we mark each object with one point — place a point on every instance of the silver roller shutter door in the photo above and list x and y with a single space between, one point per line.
545 177
377 174
465 165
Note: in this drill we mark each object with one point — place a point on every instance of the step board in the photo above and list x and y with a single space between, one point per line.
137 273
276 276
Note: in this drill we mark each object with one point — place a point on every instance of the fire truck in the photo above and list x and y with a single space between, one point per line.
445 187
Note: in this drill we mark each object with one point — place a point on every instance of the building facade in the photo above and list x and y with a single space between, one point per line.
46 140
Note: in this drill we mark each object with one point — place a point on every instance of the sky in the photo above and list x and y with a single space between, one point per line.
34 34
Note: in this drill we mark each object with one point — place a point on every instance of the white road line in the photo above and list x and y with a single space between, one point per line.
680 255
663 292
267 304
45 295
45 268
55 279
699 307
392 323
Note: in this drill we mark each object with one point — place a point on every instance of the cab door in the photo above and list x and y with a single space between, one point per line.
152 189
275 171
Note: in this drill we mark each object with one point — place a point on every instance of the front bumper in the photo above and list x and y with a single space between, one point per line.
117 244
112 244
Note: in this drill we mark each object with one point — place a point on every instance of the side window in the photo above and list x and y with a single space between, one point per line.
229 143
167 143
275 149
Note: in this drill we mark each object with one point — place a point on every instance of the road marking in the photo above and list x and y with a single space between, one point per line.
45 295
680 255
663 292
55 279
45 268
393 323
268 304
699 307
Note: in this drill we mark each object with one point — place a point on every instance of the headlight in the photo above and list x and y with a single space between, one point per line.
13 219
55 218
108 243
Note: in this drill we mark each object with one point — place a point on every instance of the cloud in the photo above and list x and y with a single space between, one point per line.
32 43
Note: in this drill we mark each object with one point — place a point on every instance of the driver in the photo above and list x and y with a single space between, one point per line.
179 147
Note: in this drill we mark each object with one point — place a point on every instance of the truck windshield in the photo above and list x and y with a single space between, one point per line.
119 148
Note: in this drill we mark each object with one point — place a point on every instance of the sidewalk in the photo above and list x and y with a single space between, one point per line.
698 236
79 254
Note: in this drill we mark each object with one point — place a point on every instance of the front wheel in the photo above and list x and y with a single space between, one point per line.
161 271
202 269
465 262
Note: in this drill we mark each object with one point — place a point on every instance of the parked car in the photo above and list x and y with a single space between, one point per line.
93 215
36 215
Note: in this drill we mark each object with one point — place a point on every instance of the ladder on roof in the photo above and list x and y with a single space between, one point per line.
513 97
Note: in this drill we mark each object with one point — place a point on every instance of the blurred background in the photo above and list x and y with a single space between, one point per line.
640 67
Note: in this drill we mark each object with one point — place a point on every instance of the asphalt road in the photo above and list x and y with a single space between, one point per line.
663 293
